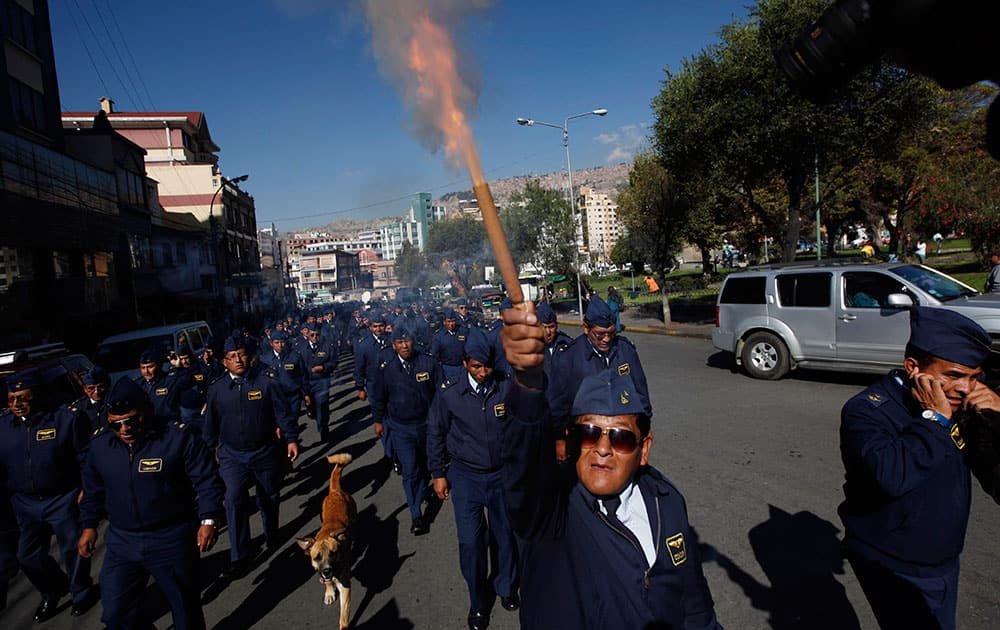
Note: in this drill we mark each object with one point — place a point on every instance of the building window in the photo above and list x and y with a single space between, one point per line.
28 105
182 257
21 26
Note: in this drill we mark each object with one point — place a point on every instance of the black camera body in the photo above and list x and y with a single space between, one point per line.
950 41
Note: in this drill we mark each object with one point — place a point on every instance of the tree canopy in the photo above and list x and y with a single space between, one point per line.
459 246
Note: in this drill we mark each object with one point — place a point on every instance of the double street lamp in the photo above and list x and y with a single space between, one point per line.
529 122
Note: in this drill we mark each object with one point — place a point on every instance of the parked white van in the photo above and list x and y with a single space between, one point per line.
119 354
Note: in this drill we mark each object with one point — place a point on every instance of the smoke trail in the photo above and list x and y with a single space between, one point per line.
416 52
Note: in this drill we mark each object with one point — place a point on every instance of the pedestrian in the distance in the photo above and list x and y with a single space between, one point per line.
616 302
993 280
921 250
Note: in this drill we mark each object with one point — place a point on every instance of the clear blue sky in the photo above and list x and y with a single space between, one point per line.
293 97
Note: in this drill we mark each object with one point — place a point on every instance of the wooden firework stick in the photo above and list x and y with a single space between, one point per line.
498 240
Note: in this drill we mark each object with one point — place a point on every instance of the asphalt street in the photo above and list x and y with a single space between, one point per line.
758 462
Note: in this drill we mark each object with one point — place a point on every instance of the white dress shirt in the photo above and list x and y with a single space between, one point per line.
633 514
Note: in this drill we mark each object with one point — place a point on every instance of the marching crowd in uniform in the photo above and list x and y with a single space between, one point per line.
541 441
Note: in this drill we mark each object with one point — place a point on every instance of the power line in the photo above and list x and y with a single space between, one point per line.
396 199
114 47
128 50
96 39
83 40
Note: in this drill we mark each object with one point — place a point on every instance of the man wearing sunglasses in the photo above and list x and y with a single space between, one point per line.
608 547
907 486
41 452
464 433
153 483
598 350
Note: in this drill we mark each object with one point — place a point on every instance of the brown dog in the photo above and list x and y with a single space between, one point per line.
330 550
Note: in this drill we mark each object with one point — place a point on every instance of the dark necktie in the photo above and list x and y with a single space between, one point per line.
611 505
408 367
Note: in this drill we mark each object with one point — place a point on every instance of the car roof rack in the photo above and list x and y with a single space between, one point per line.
826 262
34 353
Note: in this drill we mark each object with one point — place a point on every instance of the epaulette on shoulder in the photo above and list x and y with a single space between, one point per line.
178 425
217 379
875 399
626 340
98 431
381 365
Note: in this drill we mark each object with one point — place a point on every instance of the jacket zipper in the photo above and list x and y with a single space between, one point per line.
656 546
615 530
27 441
131 482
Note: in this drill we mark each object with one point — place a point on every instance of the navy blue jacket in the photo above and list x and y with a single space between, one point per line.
366 351
423 334
448 348
500 363
166 478
210 372
244 417
577 571
289 369
325 354
193 386
42 457
907 488
577 361
93 413
164 392
467 427
404 397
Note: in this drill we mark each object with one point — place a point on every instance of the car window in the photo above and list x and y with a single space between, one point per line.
936 284
743 291
804 289
866 289
203 330
124 355
194 339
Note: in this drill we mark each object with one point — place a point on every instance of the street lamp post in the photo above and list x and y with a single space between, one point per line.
215 239
572 197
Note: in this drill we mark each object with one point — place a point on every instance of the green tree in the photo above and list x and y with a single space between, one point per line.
411 267
541 227
627 253
459 246
654 213
729 122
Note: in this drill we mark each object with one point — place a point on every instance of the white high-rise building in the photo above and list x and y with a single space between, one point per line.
603 227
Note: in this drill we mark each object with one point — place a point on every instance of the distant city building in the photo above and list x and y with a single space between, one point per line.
181 157
413 229
323 269
602 224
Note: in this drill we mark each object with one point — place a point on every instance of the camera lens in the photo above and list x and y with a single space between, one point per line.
830 50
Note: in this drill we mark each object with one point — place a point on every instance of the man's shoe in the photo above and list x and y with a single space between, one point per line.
511 603
419 528
397 467
47 609
479 621
84 604
236 570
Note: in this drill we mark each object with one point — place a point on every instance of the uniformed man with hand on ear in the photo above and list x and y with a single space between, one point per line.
908 487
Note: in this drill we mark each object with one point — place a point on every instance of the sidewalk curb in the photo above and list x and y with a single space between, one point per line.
653 330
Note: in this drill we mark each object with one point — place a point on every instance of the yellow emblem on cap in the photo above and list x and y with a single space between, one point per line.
956 437
45 434
150 465
255 395
624 369
678 552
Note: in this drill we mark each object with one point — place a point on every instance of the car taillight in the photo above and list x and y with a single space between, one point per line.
717 317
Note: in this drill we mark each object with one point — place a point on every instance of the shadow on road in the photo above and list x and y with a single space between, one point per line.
723 360
376 548
800 554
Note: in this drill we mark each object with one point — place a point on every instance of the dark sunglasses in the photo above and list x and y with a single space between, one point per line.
588 435
118 425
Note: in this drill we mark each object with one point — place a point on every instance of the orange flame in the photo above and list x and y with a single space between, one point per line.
432 59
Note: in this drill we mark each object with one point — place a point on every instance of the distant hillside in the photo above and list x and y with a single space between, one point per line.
605 178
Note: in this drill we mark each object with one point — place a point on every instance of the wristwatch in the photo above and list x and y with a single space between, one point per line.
930 414
208 521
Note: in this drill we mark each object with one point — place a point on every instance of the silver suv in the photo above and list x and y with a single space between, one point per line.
835 315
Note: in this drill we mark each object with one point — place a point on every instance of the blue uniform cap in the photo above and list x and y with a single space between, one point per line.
210 341
599 313
478 347
376 318
609 394
126 396
20 382
95 376
461 302
948 335
279 335
313 327
545 314
183 350
234 343
401 332
450 314
148 357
